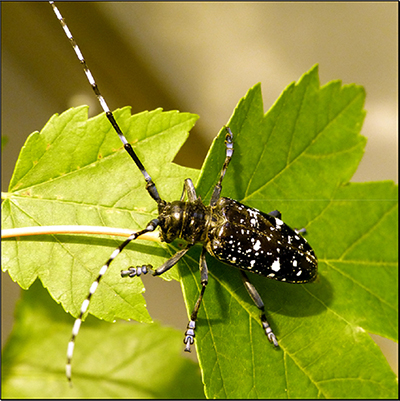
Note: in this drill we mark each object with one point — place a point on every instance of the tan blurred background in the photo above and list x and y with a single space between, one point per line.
200 58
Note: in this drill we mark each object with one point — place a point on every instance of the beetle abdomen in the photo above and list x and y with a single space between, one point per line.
259 243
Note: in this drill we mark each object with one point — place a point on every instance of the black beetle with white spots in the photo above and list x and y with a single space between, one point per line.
231 232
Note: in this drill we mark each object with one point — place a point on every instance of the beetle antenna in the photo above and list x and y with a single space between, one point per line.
150 186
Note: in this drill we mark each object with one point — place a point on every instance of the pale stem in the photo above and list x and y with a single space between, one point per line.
50 230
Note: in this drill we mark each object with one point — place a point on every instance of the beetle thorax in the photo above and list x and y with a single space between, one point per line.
186 220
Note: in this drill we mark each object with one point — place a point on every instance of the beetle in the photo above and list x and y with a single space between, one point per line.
233 233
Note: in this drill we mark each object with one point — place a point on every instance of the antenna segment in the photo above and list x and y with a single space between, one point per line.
150 186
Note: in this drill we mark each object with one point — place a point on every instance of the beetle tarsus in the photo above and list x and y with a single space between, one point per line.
189 335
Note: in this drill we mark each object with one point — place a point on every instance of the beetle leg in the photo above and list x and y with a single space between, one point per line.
189 334
171 262
276 214
138 270
229 152
255 296
188 188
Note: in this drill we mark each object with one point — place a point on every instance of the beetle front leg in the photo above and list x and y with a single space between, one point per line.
189 190
138 270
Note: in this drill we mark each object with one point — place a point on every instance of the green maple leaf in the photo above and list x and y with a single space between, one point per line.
76 172
298 158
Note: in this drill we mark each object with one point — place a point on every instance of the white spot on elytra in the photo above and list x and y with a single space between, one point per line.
253 212
257 245
276 266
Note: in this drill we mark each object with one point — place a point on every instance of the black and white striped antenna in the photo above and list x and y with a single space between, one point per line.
150 187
